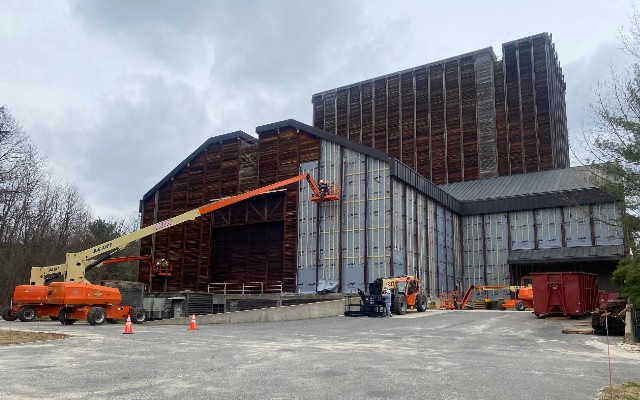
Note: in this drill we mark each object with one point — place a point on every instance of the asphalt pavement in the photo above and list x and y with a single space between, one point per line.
431 355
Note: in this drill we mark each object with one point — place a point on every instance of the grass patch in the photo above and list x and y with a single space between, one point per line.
19 337
625 391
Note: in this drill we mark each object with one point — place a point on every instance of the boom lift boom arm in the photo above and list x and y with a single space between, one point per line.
73 270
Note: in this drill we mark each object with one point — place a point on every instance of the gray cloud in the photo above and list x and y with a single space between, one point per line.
117 93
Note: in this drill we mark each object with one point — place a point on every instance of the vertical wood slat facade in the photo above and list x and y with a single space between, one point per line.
465 118
262 231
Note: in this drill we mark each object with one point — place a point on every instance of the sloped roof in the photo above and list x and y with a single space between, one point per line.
566 254
214 139
527 191
559 180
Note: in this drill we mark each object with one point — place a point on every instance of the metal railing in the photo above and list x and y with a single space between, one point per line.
266 287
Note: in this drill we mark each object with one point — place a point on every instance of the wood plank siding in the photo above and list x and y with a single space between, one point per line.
252 240
465 118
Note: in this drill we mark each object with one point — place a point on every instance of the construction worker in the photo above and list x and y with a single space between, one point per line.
324 188
387 302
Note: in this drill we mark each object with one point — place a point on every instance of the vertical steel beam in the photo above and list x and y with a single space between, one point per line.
484 251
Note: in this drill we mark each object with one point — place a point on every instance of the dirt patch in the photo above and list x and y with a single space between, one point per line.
18 337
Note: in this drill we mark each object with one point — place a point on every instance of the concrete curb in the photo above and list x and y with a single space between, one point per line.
285 313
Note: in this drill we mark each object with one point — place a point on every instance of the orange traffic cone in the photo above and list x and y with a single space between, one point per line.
192 325
128 329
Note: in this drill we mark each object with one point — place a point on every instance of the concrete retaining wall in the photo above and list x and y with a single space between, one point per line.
285 313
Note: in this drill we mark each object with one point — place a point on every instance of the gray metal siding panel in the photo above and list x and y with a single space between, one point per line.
353 220
307 234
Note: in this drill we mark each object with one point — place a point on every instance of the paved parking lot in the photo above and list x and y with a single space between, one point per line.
432 355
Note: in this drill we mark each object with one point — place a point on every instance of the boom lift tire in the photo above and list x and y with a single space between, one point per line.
27 314
421 302
520 306
137 315
400 304
62 317
7 315
96 316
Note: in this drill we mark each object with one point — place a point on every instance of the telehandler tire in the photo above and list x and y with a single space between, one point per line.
400 304
96 316
26 314
7 315
421 302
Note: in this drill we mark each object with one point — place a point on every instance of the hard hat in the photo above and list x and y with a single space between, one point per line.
321 181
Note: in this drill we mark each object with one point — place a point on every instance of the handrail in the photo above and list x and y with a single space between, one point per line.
264 287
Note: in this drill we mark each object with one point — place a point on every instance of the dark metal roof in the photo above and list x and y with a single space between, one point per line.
396 168
214 139
566 254
568 186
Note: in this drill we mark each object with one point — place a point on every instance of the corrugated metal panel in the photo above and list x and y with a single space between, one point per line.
379 219
449 254
432 272
411 177
577 229
457 252
473 249
441 250
411 232
422 233
548 221
353 221
307 234
496 241
521 225
329 251
607 224
398 231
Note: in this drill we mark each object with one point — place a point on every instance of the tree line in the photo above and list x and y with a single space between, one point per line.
43 218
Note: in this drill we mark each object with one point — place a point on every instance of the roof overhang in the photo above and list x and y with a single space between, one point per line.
566 254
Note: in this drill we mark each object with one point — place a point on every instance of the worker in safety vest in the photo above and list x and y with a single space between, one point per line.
323 187
387 301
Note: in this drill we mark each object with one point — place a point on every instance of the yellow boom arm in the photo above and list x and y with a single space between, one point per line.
73 270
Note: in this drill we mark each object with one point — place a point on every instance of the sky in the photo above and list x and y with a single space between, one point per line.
116 93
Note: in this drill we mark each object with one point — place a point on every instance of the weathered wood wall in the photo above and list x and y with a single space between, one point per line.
255 239
464 118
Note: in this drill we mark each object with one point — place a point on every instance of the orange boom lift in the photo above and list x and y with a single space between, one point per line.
76 298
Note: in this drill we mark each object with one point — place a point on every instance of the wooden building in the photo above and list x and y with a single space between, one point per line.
455 171
464 118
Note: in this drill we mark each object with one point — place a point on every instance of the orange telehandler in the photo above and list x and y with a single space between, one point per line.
76 298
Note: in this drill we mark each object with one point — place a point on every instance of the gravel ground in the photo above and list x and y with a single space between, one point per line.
431 355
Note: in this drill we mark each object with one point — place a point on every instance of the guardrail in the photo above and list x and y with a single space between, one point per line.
267 287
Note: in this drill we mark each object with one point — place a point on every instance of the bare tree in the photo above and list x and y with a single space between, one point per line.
614 149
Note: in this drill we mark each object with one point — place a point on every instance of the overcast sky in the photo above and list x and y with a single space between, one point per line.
116 93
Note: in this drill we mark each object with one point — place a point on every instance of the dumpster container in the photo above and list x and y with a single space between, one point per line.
564 293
